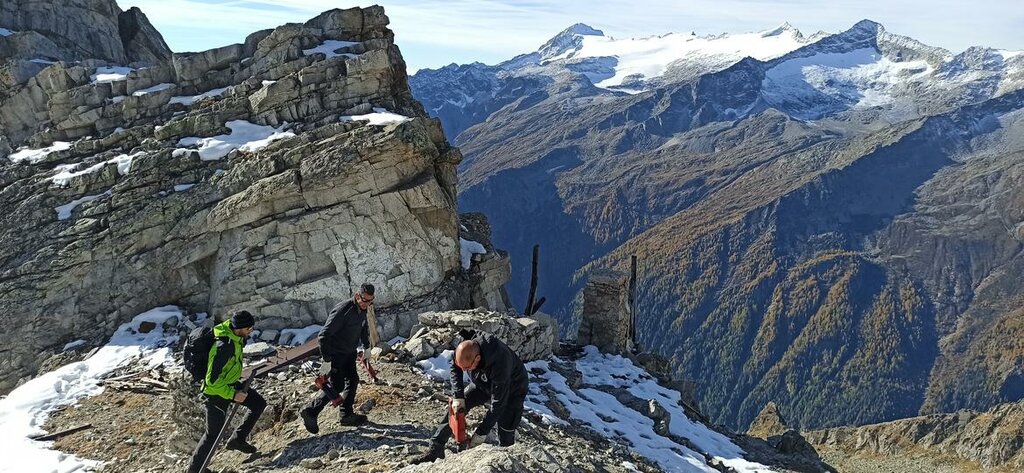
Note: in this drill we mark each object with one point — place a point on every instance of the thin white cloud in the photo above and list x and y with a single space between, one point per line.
434 33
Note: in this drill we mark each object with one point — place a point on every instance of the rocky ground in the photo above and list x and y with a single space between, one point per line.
132 431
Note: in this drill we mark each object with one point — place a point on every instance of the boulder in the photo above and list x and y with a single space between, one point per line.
531 338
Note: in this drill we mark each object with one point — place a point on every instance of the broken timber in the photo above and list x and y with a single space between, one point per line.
62 433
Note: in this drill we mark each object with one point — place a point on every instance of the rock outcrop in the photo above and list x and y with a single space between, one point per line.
985 441
532 338
244 177
84 29
605 313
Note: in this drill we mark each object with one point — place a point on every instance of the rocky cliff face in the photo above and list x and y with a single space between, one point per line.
964 441
274 176
833 227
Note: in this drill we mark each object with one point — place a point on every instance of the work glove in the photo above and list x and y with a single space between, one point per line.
476 441
458 405
359 355
325 368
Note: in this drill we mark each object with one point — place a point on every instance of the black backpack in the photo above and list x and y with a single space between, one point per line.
196 353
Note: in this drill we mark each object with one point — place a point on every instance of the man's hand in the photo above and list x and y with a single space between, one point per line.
359 355
458 405
240 396
325 368
476 441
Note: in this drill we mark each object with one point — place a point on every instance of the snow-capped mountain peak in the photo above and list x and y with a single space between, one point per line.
568 40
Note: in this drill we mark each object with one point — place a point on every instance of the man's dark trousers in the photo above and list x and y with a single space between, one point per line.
216 414
345 379
507 424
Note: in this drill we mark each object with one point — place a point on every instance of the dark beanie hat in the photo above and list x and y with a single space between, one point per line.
242 319
367 289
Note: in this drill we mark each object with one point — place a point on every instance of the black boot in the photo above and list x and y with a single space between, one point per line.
241 446
352 419
435 453
309 420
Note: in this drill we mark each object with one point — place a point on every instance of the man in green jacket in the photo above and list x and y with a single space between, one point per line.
220 388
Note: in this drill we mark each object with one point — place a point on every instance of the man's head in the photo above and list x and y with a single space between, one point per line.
467 355
364 296
243 323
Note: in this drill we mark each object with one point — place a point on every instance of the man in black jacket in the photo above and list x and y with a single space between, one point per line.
498 376
345 329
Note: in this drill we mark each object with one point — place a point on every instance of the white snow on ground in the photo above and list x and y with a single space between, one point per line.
859 78
24 411
74 344
604 414
438 367
117 99
183 187
329 47
150 90
298 336
66 172
110 74
42 61
244 136
35 155
187 100
468 248
268 82
651 56
379 116
5 32
64 211
614 370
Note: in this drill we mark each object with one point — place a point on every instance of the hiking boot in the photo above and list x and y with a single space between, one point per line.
241 446
435 453
352 419
309 420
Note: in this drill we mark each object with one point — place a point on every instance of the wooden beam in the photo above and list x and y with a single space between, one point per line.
62 433
533 281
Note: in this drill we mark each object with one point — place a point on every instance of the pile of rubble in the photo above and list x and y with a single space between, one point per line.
532 338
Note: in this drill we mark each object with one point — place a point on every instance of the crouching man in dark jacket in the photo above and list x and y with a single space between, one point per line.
499 377
344 332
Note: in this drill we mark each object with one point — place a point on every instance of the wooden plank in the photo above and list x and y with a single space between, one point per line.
533 281
62 433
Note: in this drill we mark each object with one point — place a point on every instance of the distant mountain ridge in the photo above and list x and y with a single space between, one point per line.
831 224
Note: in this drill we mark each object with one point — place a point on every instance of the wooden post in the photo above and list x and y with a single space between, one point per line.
632 303
533 281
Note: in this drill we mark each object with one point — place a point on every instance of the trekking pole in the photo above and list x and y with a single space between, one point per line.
227 422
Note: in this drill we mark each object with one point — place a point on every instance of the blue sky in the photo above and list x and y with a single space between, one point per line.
435 33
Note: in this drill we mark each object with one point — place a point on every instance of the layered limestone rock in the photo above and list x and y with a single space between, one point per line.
72 30
532 338
245 177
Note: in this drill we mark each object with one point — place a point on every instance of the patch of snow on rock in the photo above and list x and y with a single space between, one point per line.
298 336
150 90
24 411
329 47
64 211
468 248
35 155
245 136
379 116
188 100
110 74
